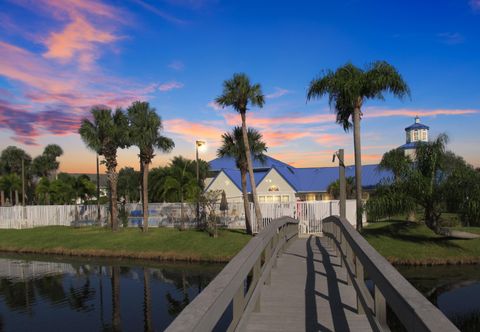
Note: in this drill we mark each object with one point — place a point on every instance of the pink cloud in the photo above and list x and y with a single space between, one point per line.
214 106
375 112
78 40
190 131
170 86
253 119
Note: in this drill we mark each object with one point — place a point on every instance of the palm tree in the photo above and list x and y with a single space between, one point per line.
145 127
233 146
397 162
46 164
11 183
128 180
105 135
238 93
181 182
347 89
333 188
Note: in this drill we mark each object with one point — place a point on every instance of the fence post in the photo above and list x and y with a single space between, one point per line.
359 275
380 307
343 184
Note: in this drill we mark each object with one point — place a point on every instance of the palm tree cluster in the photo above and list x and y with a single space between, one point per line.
139 125
436 181
65 189
16 164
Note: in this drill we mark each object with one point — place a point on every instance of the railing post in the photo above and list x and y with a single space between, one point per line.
380 307
256 275
238 305
359 275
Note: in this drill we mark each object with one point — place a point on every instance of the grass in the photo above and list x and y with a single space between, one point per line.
407 243
157 244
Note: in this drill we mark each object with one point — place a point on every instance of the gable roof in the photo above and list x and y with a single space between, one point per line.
313 179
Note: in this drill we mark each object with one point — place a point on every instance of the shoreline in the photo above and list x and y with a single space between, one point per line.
102 253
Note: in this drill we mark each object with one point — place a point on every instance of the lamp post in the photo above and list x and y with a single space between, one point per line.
98 191
197 145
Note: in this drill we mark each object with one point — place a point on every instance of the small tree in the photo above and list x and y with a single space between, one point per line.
209 201
334 188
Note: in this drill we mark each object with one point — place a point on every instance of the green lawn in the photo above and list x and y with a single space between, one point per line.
413 243
158 243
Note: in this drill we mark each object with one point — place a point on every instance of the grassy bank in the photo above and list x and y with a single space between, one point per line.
157 244
414 244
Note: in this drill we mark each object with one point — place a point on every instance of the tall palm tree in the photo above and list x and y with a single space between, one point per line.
105 135
348 88
47 164
145 127
238 93
233 146
181 182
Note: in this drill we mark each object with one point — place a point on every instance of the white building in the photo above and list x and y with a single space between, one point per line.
277 181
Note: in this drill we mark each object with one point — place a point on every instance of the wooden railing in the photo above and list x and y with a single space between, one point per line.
390 288
235 292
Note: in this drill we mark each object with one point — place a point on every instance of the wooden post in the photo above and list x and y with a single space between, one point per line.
359 275
380 307
343 184
238 306
256 275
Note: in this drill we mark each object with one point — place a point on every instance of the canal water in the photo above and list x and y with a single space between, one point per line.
52 293
45 293
454 289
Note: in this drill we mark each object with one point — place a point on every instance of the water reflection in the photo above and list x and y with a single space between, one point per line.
455 290
79 295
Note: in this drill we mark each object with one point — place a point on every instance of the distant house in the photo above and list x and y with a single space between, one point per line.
277 181
93 178
415 133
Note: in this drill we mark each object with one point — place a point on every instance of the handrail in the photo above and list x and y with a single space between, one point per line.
414 311
237 286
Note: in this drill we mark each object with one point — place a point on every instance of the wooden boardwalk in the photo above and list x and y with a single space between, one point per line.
308 292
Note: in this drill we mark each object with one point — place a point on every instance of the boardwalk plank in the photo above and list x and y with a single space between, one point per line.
308 292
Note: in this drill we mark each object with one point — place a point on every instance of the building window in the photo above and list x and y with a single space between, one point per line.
415 135
310 197
285 199
261 199
276 199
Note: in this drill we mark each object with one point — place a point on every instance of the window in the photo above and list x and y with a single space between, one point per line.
276 199
415 135
261 199
273 188
285 199
310 197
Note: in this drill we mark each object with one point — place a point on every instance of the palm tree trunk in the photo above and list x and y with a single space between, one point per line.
113 179
258 213
147 301
16 197
145 196
2 198
246 204
358 165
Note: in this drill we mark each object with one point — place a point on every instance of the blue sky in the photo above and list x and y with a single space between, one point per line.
62 57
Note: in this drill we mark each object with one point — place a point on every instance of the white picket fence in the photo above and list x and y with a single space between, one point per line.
308 214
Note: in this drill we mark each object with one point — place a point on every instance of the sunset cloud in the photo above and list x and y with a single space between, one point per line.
375 112
190 131
168 86
213 105
160 13
176 65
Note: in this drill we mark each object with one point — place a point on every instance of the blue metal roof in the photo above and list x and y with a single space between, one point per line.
229 163
315 179
417 126
408 146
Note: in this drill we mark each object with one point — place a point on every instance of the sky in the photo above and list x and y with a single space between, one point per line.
58 59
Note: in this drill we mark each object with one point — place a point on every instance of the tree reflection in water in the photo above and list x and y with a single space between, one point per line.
36 293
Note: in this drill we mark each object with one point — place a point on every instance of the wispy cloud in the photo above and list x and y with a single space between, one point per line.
375 112
475 4
176 65
214 105
277 93
451 38
164 87
190 130
160 13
